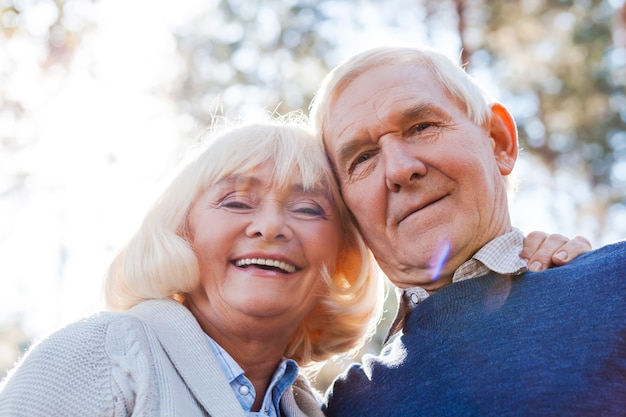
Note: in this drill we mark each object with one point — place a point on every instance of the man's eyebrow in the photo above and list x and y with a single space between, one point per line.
423 109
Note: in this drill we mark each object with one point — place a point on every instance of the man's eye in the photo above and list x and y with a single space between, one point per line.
422 126
362 158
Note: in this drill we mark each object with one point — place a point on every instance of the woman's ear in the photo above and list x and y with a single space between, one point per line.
503 133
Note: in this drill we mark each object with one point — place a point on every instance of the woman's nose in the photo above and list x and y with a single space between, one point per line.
269 223
402 165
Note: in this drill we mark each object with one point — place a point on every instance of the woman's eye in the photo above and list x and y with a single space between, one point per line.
236 204
312 210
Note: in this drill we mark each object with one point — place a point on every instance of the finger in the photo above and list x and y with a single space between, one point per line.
571 249
532 242
542 258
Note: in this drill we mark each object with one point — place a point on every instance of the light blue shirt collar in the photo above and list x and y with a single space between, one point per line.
283 378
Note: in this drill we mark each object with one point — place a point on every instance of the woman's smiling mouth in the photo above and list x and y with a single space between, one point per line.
266 264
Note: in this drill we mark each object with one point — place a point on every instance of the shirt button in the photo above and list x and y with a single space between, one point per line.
244 390
415 299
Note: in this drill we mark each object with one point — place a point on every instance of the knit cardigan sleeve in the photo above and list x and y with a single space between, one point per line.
98 366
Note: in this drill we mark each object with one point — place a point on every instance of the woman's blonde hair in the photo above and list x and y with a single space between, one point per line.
159 261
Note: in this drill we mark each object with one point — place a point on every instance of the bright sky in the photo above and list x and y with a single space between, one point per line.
77 207
102 144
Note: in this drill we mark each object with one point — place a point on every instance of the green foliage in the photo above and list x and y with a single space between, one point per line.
563 64
240 54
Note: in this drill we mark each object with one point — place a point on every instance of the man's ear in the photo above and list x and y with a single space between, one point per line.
503 134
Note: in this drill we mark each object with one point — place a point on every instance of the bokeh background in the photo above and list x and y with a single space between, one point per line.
99 99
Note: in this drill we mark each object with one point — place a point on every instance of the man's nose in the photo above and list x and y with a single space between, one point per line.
401 163
269 223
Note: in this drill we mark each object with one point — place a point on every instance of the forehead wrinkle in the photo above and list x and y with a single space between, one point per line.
420 110
416 108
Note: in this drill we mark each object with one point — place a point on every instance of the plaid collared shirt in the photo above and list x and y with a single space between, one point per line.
501 255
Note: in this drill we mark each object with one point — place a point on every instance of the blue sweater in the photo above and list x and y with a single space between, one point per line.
551 343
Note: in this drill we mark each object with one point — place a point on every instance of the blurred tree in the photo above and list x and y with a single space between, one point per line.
38 40
242 55
564 63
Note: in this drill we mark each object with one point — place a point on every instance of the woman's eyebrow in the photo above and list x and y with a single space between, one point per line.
238 180
316 191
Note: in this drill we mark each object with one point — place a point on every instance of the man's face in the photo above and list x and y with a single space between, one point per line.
419 176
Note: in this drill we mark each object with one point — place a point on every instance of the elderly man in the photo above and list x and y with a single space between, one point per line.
421 154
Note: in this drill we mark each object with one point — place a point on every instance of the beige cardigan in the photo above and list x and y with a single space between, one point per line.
153 360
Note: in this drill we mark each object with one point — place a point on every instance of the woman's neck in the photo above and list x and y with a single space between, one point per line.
256 344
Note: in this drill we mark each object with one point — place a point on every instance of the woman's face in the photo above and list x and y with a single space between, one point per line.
261 248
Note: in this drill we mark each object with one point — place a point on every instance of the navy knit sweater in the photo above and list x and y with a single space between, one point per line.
542 344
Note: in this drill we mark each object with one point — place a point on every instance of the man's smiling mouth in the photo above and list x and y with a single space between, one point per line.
420 208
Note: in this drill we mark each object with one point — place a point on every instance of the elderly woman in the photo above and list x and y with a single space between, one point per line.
247 271
246 268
